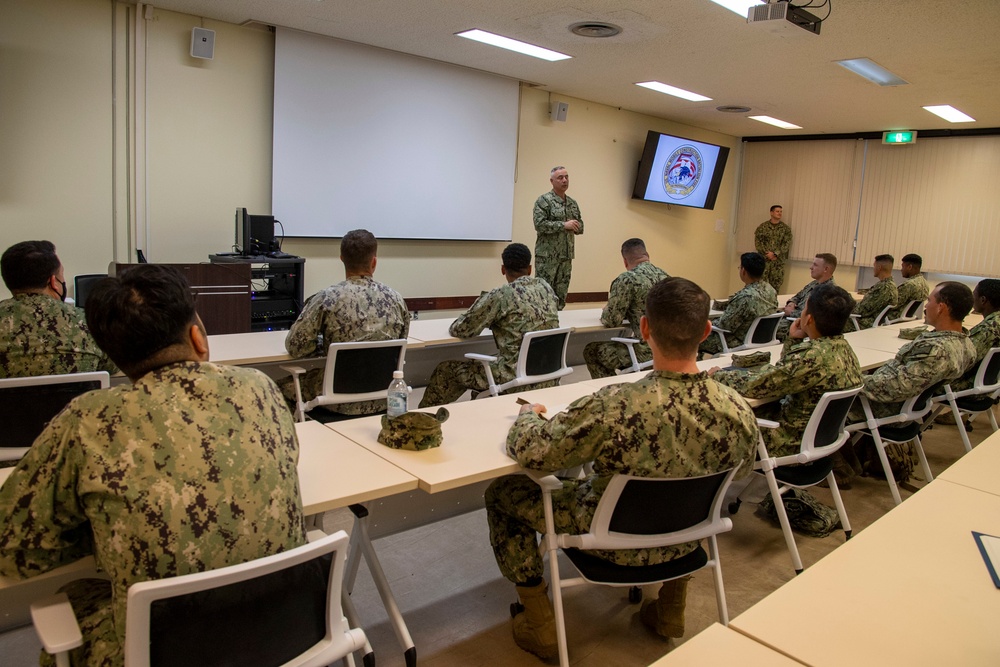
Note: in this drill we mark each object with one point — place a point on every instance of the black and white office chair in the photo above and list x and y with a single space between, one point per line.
354 372
877 322
824 435
913 310
763 331
82 285
28 404
283 610
637 365
980 398
542 358
639 513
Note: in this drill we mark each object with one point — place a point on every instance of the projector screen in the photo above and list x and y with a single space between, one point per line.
405 147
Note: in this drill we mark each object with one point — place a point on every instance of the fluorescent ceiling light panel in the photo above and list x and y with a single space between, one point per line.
872 71
671 90
950 113
741 7
513 45
777 123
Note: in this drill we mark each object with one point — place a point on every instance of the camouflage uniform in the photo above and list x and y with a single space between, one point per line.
777 239
800 302
40 335
665 425
626 301
554 245
912 289
525 305
807 370
984 337
191 468
357 309
882 294
743 308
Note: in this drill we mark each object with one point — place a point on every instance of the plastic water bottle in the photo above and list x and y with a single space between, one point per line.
397 395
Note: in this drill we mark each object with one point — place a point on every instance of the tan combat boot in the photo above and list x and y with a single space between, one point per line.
535 627
665 614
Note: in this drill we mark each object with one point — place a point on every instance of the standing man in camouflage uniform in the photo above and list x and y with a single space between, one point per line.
190 468
357 309
757 298
821 272
557 222
882 294
773 240
676 422
39 333
914 286
626 301
934 357
523 305
986 334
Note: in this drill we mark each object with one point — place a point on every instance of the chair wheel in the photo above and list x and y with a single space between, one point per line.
516 608
634 595
734 507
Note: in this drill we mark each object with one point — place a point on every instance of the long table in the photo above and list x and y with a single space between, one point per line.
978 469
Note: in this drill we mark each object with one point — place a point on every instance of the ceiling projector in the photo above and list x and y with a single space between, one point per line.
783 19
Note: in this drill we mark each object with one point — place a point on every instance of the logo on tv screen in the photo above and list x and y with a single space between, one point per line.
682 172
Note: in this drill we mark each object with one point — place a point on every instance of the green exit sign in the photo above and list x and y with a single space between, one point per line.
899 137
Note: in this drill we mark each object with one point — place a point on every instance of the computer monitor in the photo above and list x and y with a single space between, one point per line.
28 404
261 234
242 240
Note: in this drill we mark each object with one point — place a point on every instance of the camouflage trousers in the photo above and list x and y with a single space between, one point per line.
605 357
774 273
91 602
783 326
515 516
556 272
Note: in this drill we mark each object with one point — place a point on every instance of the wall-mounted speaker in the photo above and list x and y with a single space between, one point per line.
202 43
559 111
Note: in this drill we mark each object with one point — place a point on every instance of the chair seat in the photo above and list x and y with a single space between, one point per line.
601 571
806 474
975 403
903 433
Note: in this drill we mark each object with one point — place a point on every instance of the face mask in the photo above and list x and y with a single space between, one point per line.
62 297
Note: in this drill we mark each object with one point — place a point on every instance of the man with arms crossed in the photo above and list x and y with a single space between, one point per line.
626 301
773 240
523 305
821 272
882 294
757 298
914 286
357 309
190 468
557 222
676 422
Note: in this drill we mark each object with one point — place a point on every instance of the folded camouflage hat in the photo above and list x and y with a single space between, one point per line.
413 430
750 360
912 333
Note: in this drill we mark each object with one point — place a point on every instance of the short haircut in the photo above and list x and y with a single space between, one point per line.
516 258
677 313
828 259
957 296
885 259
915 260
753 263
775 206
147 309
29 265
357 249
989 289
633 247
830 307
554 170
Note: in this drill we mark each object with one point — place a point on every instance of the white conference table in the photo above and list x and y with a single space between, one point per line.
719 645
911 589
979 468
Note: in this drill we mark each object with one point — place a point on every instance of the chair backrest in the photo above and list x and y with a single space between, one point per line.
880 319
910 311
644 512
919 405
28 404
988 376
82 285
361 371
824 433
763 330
277 610
543 355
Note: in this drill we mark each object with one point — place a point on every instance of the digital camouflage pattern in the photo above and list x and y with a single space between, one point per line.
914 288
192 468
799 300
984 337
665 425
554 246
807 369
751 302
777 239
527 304
882 294
626 301
40 335
357 309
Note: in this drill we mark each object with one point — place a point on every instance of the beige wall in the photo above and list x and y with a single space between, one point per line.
208 143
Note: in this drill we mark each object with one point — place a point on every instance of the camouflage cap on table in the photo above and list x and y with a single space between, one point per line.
413 430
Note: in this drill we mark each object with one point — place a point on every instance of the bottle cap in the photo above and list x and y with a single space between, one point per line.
397 375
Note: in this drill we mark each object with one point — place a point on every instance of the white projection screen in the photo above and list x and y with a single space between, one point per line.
405 147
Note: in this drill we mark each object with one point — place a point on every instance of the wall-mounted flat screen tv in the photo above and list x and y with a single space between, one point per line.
675 170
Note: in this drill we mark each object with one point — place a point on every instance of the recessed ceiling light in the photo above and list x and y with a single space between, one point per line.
872 71
741 7
513 45
671 90
777 123
950 113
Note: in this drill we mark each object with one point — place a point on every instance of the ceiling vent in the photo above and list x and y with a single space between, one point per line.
597 29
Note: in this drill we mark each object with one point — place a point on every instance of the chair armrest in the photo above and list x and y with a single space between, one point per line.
56 624
480 357
294 370
767 423
715 328
546 482
626 341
